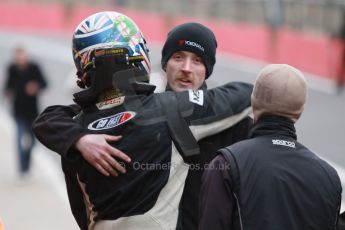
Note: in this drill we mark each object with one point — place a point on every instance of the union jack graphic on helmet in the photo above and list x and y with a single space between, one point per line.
108 30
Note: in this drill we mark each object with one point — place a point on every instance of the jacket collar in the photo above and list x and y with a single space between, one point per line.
272 124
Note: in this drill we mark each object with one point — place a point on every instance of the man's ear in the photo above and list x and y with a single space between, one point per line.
164 67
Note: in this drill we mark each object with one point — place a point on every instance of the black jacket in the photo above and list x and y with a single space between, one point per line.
24 105
233 105
270 181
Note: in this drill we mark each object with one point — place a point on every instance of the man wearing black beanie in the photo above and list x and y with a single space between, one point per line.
188 57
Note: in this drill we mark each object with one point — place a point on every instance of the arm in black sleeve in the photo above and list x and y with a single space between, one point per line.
206 106
215 200
196 114
218 109
235 95
56 129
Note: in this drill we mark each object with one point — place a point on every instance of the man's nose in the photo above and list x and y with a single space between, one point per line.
186 66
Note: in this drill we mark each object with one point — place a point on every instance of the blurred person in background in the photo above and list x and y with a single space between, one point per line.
274 19
23 85
271 181
133 200
187 47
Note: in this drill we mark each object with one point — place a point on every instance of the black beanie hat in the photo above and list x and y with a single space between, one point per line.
192 37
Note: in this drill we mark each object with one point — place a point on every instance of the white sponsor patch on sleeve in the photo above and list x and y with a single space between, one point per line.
196 96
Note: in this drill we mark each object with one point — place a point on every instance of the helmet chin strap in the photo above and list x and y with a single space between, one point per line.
107 74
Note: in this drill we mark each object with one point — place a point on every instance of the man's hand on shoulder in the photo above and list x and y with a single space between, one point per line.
96 150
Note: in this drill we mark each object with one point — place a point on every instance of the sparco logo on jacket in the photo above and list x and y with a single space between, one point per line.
112 121
190 43
285 143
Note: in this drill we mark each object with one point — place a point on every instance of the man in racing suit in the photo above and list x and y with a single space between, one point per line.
208 145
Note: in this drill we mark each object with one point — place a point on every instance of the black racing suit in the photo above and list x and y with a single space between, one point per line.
62 140
269 181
